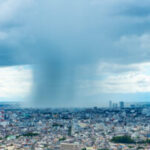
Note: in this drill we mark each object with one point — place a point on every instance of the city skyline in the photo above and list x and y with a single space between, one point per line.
74 75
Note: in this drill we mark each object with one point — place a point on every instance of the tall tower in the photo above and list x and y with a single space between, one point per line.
1 115
121 104
110 104
70 130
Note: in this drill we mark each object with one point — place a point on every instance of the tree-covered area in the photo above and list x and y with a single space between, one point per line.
57 125
30 134
128 140
62 139
123 139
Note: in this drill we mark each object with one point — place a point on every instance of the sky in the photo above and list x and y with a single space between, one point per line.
74 53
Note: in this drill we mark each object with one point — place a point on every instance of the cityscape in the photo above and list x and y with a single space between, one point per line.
109 128
74 74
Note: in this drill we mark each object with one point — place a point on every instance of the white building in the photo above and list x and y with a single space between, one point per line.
69 146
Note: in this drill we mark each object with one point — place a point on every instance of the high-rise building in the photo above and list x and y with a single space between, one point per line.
70 130
114 105
110 104
1 115
121 104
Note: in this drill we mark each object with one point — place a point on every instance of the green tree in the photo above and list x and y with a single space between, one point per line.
122 139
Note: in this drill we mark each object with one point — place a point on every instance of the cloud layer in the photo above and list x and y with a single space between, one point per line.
67 39
15 82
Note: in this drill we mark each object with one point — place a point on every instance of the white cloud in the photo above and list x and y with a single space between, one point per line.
107 68
115 78
126 83
10 8
15 82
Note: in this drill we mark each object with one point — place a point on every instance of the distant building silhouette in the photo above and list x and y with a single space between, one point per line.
110 104
121 104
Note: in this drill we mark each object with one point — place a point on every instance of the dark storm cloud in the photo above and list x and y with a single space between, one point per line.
134 8
60 36
137 11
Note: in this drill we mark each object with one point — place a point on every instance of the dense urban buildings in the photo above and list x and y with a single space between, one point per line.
122 128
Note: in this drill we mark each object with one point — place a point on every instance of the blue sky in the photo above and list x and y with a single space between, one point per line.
74 53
